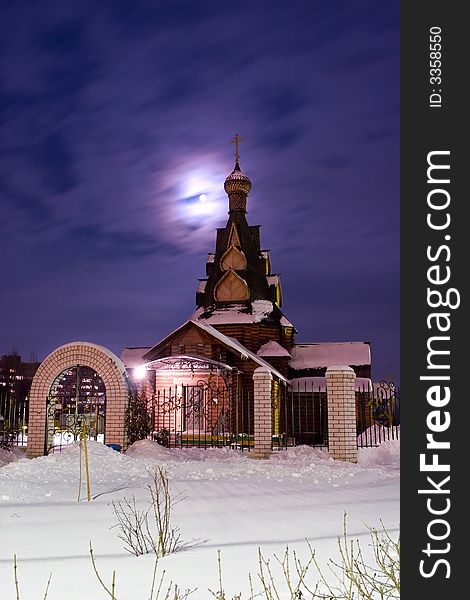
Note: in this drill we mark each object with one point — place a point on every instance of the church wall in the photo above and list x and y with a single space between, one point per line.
253 336
287 338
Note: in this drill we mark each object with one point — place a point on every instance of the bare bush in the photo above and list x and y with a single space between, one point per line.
164 591
352 578
357 579
150 529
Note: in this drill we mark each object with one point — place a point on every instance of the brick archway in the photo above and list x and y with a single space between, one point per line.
108 366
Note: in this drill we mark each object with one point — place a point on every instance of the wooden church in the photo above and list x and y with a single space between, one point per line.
199 378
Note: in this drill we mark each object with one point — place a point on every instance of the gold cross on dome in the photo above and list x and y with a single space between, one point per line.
236 140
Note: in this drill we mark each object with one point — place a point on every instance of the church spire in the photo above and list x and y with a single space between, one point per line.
237 185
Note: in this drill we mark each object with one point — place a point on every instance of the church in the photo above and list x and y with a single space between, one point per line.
198 379
231 375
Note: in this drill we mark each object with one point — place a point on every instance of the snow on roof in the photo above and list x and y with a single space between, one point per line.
201 286
285 322
310 356
261 309
210 257
272 279
133 357
318 384
272 349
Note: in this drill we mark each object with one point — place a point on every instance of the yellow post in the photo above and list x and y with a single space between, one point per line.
80 471
87 472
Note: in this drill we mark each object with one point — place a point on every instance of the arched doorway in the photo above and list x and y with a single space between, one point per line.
76 407
57 411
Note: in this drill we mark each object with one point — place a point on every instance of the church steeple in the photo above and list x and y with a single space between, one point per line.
239 271
240 296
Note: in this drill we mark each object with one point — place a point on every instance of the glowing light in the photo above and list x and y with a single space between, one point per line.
195 202
140 372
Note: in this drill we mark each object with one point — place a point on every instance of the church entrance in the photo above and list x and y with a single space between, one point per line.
196 418
76 407
197 414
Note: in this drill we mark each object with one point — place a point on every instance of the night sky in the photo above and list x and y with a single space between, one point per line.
114 120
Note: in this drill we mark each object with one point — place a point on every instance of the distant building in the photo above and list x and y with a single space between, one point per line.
16 377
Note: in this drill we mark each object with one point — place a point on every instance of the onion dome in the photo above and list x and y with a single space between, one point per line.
237 181
237 186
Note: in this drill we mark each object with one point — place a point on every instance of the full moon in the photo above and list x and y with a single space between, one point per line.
202 198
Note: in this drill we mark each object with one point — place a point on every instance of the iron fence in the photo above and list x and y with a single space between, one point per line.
378 414
204 415
13 419
300 416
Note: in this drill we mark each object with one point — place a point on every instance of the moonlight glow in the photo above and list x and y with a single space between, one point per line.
201 197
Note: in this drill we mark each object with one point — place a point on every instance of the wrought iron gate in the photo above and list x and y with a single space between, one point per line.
203 415
76 406
300 416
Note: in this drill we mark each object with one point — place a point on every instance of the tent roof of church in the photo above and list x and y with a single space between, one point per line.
227 341
326 354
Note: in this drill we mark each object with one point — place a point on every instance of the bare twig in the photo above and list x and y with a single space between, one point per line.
15 571
47 586
103 585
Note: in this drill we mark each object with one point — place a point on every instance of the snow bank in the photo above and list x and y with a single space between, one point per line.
148 449
56 478
302 455
8 456
387 454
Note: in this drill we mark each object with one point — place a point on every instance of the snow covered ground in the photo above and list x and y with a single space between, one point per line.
233 504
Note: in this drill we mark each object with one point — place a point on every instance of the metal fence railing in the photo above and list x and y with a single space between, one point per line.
378 414
13 419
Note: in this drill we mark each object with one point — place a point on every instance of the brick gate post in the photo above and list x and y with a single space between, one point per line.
342 437
262 379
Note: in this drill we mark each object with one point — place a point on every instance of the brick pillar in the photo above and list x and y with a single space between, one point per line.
262 379
340 386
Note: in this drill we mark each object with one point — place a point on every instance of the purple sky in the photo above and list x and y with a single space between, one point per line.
115 117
